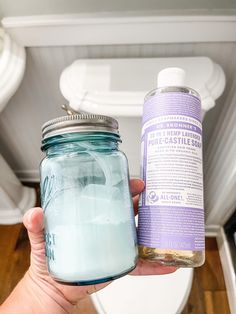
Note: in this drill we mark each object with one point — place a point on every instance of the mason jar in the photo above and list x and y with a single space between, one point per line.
89 223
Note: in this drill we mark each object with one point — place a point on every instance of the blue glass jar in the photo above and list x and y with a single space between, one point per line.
89 221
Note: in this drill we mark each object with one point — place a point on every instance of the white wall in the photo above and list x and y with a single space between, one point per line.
38 98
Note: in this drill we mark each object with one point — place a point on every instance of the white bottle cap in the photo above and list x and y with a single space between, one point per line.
171 77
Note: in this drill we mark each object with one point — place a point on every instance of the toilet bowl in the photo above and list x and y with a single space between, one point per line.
163 294
153 294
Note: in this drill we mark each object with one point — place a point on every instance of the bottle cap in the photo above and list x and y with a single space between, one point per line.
171 77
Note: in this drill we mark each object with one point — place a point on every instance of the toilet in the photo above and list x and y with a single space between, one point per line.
15 198
86 84
159 294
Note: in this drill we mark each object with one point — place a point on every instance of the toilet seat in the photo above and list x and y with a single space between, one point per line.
164 294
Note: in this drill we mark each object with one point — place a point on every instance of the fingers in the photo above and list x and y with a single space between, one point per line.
145 267
33 221
149 268
136 186
135 202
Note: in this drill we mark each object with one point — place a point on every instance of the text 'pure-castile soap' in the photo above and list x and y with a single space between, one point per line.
171 208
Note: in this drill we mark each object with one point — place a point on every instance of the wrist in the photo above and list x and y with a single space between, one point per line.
36 296
49 298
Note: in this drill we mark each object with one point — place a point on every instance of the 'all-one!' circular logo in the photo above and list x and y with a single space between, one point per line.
152 197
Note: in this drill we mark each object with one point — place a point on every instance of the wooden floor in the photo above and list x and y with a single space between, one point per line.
208 293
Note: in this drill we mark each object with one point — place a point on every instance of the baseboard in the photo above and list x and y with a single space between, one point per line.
14 214
212 230
10 216
226 262
28 175
228 269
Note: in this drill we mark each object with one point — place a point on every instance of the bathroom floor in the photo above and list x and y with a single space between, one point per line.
208 294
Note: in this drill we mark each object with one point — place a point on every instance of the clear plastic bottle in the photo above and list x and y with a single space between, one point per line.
171 214
89 221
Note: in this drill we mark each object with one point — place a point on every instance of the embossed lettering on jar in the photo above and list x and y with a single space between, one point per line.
89 221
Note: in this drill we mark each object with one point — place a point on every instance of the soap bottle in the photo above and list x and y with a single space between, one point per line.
171 208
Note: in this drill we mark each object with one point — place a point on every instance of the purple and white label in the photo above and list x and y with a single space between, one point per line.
171 214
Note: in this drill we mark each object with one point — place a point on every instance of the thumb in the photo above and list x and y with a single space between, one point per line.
33 221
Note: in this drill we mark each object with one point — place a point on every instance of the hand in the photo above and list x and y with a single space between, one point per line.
64 295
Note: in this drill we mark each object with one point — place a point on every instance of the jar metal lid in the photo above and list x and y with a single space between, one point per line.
80 123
